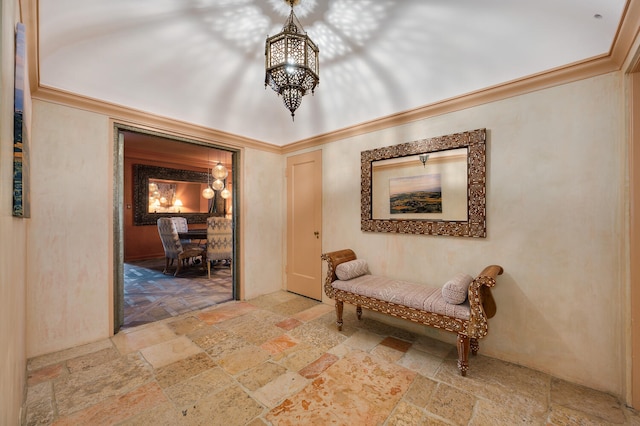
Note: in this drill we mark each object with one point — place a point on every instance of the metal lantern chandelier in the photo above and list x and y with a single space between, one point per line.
291 62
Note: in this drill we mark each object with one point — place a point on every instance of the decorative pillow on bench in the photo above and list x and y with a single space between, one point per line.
352 269
455 290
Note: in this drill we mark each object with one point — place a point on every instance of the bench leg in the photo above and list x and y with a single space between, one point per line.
359 312
339 307
475 346
463 354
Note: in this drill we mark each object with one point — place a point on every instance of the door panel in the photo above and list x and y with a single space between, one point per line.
304 221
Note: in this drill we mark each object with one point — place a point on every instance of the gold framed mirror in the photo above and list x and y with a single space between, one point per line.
434 186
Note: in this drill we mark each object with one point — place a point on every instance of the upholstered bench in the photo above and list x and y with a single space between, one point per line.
462 305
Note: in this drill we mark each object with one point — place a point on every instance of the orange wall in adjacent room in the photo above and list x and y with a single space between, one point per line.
143 242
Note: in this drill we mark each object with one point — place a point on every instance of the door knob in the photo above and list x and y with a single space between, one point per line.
317 234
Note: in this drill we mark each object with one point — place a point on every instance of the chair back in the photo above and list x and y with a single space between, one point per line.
181 226
169 237
219 238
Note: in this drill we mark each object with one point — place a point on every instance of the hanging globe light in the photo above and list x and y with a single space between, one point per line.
208 193
218 185
219 172
225 193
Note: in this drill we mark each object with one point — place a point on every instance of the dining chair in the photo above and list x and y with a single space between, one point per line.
219 241
173 247
181 226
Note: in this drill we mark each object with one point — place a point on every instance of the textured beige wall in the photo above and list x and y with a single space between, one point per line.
555 202
13 240
71 229
263 233
69 283
555 199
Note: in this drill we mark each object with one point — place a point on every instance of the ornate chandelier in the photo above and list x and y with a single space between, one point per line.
291 62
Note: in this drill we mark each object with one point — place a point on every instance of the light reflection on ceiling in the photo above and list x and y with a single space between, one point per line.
202 61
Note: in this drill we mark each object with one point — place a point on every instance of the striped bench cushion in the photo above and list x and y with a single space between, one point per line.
404 293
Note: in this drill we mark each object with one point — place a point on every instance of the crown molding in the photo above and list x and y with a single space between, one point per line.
555 77
621 49
147 120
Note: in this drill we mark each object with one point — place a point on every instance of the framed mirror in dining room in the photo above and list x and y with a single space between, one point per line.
166 192
434 186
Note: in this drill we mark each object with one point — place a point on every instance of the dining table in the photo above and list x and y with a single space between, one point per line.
193 234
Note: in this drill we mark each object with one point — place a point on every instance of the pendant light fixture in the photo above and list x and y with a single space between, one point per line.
291 62
208 192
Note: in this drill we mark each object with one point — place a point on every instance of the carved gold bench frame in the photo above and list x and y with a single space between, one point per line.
469 331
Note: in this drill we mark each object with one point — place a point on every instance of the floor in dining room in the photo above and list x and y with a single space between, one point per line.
150 295
279 360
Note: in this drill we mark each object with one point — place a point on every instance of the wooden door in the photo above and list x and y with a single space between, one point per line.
304 222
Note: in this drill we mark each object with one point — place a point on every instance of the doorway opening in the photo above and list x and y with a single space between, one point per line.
145 288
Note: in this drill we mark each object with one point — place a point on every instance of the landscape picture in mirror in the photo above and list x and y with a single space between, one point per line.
404 188
431 186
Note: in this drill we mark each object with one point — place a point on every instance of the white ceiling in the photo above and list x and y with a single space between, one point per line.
202 61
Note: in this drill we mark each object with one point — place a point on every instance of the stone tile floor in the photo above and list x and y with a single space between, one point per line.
279 360
150 295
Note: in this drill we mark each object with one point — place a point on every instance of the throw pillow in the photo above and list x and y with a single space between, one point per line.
352 269
455 290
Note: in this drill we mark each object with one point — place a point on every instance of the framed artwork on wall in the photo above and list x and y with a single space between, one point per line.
433 186
21 129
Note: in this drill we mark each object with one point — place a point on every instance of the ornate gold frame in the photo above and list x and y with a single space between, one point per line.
474 226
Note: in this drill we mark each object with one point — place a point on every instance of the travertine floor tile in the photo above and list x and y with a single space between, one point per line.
46 373
434 347
314 369
225 312
243 359
183 369
504 414
289 324
89 387
135 339
57 357
397 344
260 375
281 387
451 404
421 362
293 306
386 353
273 299
279 344
186 325
118 408
501 382
597 404
317 335
163 414
420 391
227 407
251 329
358 388
279 360
189 392
313 312
299 356
408 415
85 362
39 405
170 351
363 340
